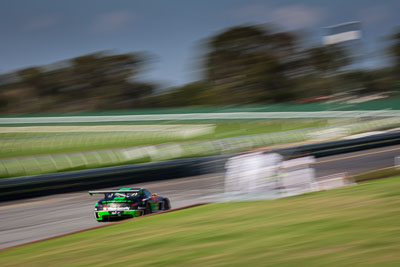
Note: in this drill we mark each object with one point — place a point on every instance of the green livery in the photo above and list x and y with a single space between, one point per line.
131 213
128 203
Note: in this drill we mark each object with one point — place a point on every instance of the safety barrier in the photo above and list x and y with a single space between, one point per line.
47 184
342 146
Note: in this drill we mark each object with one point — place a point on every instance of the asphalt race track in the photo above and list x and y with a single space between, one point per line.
32 219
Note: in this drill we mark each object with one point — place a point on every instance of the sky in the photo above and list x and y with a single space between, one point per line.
34 33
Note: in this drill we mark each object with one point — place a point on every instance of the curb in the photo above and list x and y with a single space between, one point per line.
105 225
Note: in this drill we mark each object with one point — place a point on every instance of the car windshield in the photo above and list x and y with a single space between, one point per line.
122 194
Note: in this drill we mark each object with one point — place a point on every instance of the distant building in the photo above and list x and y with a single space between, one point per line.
341 33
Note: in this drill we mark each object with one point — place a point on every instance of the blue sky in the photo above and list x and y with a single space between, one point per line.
46 31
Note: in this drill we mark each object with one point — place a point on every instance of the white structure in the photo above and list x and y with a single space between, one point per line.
333 181
264 176
297 176
397 162
342 33
251 173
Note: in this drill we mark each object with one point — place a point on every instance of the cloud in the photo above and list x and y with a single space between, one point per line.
297 16
372 15
41 22
291 16
112 21
257 12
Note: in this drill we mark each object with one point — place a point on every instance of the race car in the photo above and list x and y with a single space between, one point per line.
128 203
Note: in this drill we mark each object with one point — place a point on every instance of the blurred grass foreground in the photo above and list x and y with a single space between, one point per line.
353 226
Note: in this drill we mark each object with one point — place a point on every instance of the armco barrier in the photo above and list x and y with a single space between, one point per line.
30 186
341 146
55 183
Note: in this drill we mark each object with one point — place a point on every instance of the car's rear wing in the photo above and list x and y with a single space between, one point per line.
113 191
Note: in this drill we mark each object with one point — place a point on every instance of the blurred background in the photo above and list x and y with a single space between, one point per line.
101 55
201 101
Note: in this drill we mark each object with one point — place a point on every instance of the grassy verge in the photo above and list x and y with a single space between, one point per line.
58 152
15 144
357 225
33 153
376 174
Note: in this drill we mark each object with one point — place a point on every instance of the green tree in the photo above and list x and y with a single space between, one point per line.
327 59
108 79
248 64
394 49
34 78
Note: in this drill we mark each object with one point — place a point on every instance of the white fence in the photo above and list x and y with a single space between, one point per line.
206 116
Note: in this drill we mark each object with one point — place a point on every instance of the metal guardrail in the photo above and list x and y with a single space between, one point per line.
55 183
46 184
342 146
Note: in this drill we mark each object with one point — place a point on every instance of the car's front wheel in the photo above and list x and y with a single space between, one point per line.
167 205
97 219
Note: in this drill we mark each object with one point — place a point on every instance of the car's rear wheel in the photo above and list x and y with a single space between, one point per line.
148 209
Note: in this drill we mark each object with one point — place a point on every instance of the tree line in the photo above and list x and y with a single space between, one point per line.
246 64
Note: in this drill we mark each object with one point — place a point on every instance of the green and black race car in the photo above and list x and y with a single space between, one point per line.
128 203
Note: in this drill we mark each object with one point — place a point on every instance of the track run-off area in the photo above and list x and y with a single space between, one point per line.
37 218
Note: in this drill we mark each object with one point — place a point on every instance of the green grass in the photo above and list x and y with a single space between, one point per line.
353 226
33 143
37 153
376 174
